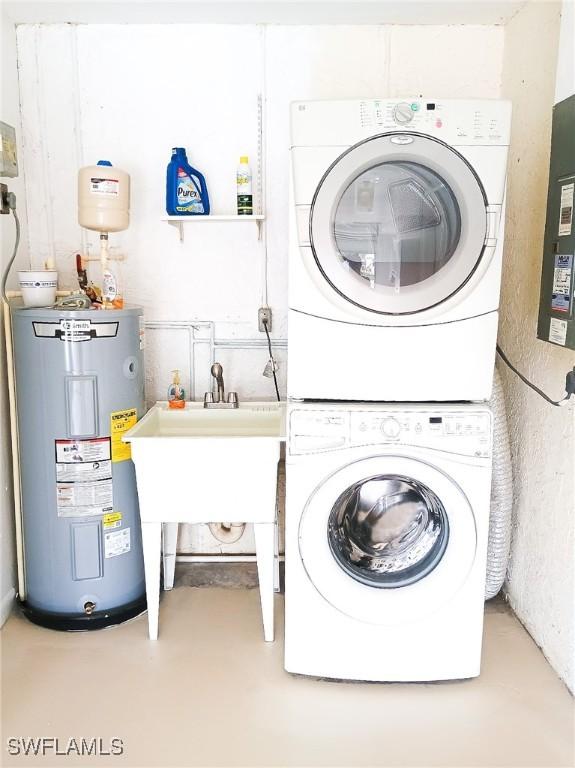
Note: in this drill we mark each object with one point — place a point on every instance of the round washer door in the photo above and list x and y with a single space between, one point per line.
398 223
387 539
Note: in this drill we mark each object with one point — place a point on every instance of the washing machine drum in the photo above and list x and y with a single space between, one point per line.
387 539
388 531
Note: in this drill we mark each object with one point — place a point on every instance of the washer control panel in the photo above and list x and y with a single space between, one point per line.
466 432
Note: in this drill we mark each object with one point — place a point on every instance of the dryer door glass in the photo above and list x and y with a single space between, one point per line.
396 224
388 531
398 228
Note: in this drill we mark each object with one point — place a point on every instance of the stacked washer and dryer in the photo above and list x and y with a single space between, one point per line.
396 236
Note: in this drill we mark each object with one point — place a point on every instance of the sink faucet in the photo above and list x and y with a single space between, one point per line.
218 374
209 402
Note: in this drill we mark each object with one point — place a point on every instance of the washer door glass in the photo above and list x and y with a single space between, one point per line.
396 224
388 531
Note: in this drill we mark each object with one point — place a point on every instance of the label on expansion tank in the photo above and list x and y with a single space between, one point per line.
107 187
75 330
84 477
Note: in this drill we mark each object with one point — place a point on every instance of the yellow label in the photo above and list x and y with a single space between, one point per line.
112 520
121 422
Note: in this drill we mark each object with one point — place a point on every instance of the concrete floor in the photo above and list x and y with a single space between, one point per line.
211 693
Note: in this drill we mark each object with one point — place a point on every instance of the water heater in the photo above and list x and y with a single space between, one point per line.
79 387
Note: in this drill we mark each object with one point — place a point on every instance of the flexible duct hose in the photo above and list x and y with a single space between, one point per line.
501 495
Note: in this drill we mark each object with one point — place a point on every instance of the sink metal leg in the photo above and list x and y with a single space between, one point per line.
152 545
169 545
265 552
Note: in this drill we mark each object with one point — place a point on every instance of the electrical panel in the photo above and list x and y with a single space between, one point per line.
8 157
556 301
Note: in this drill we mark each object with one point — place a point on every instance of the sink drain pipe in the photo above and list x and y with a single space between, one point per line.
499 542
227 533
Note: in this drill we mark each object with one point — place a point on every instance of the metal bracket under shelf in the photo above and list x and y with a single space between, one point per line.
179 221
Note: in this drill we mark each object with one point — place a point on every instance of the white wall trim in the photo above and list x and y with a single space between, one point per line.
405 12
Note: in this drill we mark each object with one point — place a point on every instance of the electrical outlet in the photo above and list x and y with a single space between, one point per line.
4 207
264 313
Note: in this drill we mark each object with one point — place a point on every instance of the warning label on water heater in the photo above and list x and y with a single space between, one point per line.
120 423
84 477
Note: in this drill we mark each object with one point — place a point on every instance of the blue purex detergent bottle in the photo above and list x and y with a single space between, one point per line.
186 190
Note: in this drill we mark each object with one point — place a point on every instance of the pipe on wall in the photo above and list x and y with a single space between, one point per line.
227 533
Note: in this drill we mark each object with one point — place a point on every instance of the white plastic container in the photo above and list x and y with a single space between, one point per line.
103 197
38 287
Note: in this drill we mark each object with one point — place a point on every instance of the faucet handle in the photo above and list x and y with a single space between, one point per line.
233 398
208 398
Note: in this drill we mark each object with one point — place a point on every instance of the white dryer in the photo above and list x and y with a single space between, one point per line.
396 235
387 519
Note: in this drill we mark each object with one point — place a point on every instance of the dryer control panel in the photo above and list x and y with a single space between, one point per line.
463 432
479 125
457 122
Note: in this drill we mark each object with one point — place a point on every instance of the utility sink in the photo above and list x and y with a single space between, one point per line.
248 420
207 465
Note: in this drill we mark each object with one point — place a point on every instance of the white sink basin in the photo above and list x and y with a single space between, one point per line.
207 464
251 420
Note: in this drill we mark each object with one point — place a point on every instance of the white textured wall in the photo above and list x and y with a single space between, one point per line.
540 581
9 113
565 80
124 93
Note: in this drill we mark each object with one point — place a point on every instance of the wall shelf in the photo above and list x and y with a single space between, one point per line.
180 221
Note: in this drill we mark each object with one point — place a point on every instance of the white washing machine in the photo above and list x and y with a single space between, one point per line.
396 236
387 518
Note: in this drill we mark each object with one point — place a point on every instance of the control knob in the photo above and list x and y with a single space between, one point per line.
402 113
391 427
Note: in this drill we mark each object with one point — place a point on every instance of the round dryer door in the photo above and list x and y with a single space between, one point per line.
398 223
387 539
